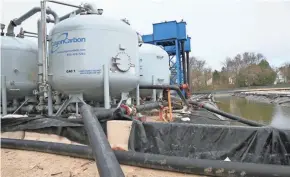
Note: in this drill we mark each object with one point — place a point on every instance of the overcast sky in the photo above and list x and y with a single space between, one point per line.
218 28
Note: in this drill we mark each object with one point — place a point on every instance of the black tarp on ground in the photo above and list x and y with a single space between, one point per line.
71 129
243 144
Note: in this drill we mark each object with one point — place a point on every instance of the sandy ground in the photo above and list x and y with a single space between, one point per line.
17 163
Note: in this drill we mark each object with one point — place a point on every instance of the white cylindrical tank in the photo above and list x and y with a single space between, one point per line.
154 63
79 48
19 66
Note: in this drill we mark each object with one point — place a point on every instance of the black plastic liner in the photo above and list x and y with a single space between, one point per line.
264 145
70 128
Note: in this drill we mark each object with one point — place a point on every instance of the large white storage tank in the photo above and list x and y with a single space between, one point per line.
19 66
153 66
79 48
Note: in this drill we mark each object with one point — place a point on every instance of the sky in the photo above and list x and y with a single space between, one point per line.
218 28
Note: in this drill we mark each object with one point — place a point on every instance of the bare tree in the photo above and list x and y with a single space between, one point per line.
199 73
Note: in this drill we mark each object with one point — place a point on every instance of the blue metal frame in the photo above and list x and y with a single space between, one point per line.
170 35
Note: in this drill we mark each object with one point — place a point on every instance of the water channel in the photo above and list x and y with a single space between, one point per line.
270 114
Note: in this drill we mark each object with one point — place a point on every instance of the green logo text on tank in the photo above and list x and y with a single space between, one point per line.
63 39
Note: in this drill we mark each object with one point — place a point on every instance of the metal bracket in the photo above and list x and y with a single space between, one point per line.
75 98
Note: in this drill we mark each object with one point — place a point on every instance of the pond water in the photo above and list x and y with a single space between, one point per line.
270 114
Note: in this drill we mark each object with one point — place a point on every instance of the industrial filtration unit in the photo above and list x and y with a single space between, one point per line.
18 71
154 69
90 58
85 48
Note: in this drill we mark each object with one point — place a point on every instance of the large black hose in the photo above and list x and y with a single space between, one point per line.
150 106
103 154
225 114
171 87
153 161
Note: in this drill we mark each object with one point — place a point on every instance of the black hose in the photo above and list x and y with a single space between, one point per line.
171 87
103 154
160 162
225 114
150 106
104 114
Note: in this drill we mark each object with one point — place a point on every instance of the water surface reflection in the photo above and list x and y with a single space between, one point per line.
277 116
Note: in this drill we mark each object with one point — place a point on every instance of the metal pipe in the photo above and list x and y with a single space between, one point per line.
183 62
63 3
54 14
171 87
78 11
106 87
28 32
77 108
30 36
188 71
49 20
154 161
1 95
43 42
40 49
18 21
225 114
104 156
154 90
4 95
49 102
87 7
137 95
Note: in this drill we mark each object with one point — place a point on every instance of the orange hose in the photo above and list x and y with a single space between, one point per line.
169 105
162 114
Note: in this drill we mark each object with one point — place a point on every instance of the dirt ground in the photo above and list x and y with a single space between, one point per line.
18 163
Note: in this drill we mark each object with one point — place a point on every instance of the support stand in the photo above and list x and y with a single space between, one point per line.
106 87
154 90
22 104
74 98
137 95
4 95
49 102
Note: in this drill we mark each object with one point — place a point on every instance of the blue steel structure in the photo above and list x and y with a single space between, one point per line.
172 36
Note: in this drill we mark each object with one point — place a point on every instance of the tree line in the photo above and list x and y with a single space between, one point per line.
243 70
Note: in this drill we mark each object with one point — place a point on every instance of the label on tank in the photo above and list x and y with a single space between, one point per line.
90 71
66 44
